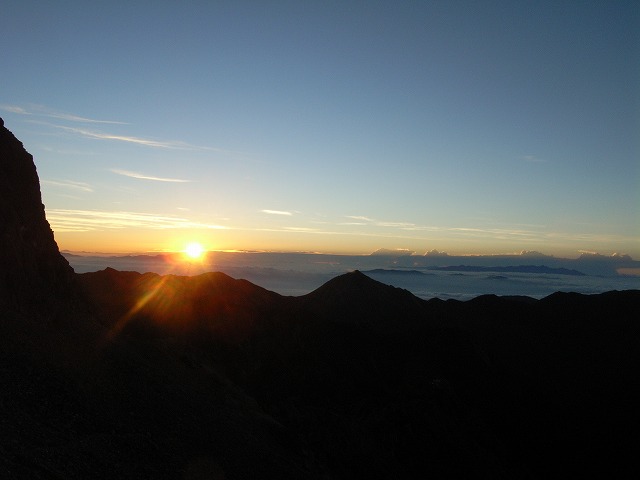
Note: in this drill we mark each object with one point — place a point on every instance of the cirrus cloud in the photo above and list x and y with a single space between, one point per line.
42 111
81 186
141 176
65 220
277 212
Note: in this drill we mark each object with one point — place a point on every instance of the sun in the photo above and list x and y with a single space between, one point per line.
194 250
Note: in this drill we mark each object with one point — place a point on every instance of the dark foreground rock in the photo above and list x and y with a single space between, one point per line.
31 269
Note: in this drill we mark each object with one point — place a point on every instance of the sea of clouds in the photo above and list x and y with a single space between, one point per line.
298 274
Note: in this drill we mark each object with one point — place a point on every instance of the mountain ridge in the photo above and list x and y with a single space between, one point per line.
335 345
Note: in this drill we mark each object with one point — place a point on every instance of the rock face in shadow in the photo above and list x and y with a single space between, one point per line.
32 271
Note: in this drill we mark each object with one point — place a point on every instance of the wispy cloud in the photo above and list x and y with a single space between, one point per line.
513 234
124 138
62 220
359 217
14 109
277 212
76 118
84 187
140 176
145 142
400 229
41 111
300 229
304 230
45 112
402 225
363 220
68 151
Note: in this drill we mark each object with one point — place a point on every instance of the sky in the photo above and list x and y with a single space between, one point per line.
337 127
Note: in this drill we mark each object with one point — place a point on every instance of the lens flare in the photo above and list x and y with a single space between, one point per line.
194 250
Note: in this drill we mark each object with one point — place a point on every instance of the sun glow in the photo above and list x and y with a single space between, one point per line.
194 250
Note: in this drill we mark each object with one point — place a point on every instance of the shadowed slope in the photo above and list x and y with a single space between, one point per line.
212 302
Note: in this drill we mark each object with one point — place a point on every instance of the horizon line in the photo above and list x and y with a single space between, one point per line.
401 253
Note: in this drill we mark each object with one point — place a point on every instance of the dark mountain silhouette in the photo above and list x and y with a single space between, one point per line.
31 269
128 375
380 383
510 269
355 298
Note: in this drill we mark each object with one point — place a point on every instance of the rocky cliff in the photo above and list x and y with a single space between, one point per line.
32 271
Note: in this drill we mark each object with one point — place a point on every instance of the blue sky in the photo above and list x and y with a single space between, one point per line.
468 127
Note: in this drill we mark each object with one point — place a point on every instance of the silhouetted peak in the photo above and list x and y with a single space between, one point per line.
355 298
32 271
351 284
487 299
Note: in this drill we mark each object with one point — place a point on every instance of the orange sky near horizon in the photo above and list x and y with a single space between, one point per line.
136 241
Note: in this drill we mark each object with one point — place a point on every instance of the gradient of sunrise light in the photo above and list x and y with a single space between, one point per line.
341 127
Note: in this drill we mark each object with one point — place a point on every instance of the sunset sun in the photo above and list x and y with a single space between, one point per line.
194 250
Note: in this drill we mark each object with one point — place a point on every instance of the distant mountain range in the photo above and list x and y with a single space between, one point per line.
513 269
586 264
393 271
470 268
